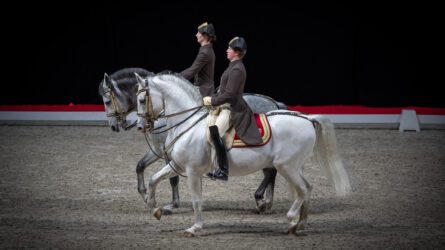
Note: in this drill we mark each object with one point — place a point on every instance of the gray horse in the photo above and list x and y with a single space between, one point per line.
118 92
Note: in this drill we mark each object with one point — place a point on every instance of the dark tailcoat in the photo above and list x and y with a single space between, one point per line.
231 90
202 70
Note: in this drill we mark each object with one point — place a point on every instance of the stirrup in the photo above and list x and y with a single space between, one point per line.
218 175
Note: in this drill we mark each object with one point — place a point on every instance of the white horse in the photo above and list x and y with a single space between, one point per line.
118 92
294 139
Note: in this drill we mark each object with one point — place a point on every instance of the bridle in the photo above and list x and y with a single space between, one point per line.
118 113
150 117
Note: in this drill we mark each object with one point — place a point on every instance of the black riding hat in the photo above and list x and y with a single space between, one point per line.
238 43
207 28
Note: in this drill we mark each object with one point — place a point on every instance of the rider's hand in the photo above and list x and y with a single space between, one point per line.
207 101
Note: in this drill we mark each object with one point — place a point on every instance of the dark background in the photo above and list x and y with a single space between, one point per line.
318 53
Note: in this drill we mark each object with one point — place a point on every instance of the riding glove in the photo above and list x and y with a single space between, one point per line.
207 101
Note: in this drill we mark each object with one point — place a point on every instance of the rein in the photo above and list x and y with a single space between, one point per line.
171 144
181 122
131 125
151 148
150 117
117 109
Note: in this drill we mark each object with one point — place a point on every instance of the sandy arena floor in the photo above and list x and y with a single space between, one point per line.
74 187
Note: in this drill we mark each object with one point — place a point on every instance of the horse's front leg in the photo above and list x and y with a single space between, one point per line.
267 186
168 209
143 163
195 185
165 172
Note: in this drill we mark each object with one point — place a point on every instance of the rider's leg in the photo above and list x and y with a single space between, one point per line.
216 132
221 155
223 121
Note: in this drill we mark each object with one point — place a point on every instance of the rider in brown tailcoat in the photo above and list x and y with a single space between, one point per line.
234 110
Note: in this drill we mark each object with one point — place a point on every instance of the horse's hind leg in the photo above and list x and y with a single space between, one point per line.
140 168
168 209
174 182
266 186
298 207
270 189
305 206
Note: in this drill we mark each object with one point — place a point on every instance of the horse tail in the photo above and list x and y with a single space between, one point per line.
327 155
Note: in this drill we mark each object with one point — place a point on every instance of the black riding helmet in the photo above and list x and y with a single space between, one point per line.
207 28
238 43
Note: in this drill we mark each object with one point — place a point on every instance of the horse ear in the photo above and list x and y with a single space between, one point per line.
139 79
106 81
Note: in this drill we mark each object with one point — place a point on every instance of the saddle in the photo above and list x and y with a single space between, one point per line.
263 127
231 139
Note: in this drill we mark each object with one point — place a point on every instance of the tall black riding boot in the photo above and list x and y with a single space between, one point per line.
221 155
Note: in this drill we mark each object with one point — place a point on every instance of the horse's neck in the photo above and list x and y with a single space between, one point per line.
127 92
178 97
191 130
177 107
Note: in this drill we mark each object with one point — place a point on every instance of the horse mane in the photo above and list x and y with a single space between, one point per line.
179 80
125 76
169 72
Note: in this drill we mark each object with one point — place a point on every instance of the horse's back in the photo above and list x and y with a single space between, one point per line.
292 141
289 127
260 103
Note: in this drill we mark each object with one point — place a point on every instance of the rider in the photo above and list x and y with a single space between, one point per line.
232 107
203 68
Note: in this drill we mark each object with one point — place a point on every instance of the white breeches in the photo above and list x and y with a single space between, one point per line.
222 116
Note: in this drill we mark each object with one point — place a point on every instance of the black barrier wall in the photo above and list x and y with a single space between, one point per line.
375 54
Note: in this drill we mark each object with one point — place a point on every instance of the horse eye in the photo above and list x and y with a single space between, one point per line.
107 102
141 100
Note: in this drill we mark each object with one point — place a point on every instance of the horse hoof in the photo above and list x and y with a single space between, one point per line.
292 230
295 231
300 233
188 234
300 226
167 211
268 211
157 213
261 208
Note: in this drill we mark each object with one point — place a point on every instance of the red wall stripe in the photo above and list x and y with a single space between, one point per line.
334 109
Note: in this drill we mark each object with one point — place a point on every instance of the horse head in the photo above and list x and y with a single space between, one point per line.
118 95
165 95
149 103
116 107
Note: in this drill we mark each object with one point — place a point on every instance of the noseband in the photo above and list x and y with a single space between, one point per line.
118 113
